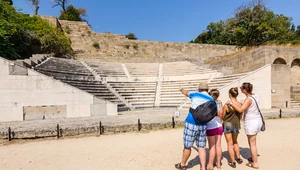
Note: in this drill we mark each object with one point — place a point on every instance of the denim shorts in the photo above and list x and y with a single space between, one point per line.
194 133
228 127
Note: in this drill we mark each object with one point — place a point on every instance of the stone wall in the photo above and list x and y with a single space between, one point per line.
295 93
52 20
18 91
281 76
257 58
261 80
84 40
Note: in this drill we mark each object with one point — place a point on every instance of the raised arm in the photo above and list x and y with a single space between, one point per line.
244 106
184 92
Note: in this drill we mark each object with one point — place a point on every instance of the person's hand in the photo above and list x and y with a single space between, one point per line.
180 89
228 102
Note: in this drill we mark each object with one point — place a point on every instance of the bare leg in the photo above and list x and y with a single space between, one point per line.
253 149
185 156
212 150
236 146
218 150
229 140
202 157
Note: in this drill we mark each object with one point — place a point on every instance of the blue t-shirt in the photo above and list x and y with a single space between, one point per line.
197 99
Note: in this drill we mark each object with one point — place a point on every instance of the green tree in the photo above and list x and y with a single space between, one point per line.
10 2
252 25
22 35
217 33
9 26
51 39
72 14
131 36
256 25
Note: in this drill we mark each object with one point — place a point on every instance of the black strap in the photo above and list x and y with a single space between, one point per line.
192 110
258 108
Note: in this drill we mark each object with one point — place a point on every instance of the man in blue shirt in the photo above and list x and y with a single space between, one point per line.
193 131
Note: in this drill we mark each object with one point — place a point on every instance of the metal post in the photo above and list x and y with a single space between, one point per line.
100 128
57 129
286 104
60 132
139 125
173 122
9 134
280 113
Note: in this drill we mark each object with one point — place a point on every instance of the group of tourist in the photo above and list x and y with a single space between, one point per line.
227 121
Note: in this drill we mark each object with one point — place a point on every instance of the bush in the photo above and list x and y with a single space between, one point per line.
68 30
96 45
22 35
131 36
135 46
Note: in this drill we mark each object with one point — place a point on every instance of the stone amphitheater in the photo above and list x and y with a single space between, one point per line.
124 75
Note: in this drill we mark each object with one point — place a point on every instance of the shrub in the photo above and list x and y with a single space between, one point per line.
22 35
68 30
135 46
89 33
131 36
96 45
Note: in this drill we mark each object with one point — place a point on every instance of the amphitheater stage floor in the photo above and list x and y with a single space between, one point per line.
278 147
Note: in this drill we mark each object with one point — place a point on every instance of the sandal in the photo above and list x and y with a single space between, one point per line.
179 166
232 164
250 159
210 168
250 165
215 165
239 160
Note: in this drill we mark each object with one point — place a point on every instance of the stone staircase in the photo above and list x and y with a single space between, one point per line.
184 68
33 61
295 104
138 94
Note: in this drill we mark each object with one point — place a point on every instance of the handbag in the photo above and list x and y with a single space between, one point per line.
263 127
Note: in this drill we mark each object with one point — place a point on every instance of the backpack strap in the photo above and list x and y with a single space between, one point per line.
192 110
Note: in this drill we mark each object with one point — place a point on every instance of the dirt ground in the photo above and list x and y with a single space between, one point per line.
278 146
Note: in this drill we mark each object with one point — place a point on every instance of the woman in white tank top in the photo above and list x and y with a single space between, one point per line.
252 121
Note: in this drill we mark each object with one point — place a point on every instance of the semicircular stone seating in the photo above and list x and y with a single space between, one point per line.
134 85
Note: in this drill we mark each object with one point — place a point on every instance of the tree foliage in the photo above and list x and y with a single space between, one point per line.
22 35
73 14
131 36
10 2
252 25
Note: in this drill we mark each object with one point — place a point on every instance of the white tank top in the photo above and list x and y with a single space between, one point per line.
252 111
215 122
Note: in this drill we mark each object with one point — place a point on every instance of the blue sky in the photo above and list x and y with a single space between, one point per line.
159 20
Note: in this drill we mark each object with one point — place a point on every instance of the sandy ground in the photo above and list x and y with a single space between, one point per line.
278 146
